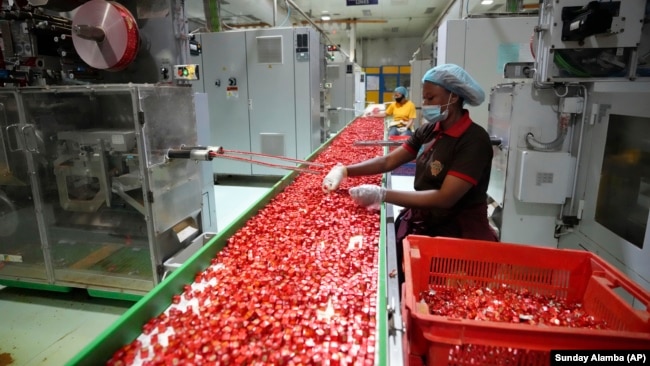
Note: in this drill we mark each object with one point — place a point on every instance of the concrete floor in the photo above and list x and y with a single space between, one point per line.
48 328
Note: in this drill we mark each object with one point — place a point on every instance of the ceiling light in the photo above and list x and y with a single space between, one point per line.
487 2
325 17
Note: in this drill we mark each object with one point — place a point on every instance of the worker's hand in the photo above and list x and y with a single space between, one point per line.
368 195
334 178
401 129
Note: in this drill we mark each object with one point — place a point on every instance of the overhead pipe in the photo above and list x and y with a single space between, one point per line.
275 13
293 5
353 42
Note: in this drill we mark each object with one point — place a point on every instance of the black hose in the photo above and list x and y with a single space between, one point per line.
178 154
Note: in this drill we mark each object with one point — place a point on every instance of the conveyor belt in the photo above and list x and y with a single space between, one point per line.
129 326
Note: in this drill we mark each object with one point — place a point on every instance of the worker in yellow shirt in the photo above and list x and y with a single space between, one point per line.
403 112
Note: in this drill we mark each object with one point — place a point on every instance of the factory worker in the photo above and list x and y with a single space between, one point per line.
452 171
403 112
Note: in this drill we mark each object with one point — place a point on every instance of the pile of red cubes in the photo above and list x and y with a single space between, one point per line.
507 305
296 285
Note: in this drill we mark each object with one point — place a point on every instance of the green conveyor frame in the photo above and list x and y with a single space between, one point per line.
129 326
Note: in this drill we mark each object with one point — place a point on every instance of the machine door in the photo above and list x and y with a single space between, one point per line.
270 63
360 93
225 82
336 77
21 254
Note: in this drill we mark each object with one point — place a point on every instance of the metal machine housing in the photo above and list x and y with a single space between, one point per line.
90 199
604 56
517 109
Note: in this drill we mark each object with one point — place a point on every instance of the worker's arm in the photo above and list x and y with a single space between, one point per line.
409 124
453 188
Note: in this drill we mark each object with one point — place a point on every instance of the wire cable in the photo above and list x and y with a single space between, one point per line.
288 15
229 154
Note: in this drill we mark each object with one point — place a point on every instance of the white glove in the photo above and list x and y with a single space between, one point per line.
334 178
368 195
401 129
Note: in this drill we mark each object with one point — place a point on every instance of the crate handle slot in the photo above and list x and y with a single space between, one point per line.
617 279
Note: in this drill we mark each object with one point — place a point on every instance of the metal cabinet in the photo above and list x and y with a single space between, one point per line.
264 88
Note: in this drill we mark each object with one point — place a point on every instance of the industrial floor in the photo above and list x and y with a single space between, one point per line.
49 328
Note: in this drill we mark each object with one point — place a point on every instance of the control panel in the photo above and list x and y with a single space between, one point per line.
302 47
186 72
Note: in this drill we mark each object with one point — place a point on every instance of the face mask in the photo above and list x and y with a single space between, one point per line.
432 112
399 100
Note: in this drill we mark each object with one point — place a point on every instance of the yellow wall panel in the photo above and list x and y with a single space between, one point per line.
372 96
372 70
390 69
388 97
405 69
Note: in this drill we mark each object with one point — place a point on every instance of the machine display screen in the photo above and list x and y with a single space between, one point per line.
624 190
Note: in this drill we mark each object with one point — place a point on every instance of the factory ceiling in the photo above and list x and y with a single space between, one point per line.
378 19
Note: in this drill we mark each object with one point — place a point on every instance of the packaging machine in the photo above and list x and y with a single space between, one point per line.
88 197
572 167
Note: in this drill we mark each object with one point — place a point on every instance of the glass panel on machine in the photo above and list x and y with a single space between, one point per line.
169 116
91 185
21 255
624 190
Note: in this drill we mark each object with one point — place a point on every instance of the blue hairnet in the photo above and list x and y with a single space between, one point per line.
402 90
456 80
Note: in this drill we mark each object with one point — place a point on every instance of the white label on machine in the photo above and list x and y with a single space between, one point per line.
232 92
117 139
11 258
186 233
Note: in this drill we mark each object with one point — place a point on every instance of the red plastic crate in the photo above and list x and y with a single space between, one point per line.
569 275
